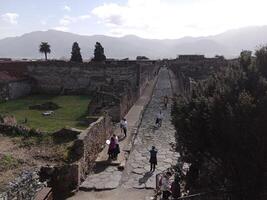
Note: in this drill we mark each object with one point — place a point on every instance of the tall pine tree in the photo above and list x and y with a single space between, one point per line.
99 53
75 53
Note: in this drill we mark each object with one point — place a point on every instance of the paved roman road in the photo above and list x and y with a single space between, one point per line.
136 174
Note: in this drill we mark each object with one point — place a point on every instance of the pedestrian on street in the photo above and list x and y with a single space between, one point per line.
153 158
123 125
111 148
166 100
117 146
175 188
159 119
166 186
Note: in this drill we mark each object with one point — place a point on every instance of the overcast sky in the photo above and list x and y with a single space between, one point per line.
144 18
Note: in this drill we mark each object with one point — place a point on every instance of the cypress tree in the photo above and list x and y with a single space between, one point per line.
99 53
75 53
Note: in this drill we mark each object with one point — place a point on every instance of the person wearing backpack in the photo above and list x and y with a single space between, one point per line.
166 186
175 188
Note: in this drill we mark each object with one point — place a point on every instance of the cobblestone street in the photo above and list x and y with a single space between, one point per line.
137 173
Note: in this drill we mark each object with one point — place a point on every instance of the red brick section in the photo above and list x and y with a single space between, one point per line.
10 71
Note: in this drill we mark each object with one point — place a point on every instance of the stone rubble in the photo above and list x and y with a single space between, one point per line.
23 187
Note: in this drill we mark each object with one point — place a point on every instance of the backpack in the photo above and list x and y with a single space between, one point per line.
160 181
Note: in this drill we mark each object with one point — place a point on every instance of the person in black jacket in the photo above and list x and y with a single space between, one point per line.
153 158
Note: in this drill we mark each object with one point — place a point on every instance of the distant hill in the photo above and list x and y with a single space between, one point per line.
229 44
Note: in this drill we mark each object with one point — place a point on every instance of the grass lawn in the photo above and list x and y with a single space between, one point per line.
73 108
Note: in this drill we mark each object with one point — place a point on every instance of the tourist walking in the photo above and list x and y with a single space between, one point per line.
153 158
111 148
166 186
159 119
123 126
175 188
165 101
117 146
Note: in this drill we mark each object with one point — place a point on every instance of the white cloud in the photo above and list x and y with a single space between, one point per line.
67 8
61 28
67 20
43 22
11 18
173 19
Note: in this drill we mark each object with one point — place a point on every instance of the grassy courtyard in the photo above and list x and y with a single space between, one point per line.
72 110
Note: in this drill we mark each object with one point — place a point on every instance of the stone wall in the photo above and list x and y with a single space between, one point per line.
188 72
4 92
15 89
74 78
65 179
89 143
148 71
19 88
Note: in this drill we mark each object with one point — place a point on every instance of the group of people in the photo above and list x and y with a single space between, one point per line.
114 147
168 187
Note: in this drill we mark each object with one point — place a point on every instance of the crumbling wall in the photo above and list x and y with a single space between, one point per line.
65 179
89 143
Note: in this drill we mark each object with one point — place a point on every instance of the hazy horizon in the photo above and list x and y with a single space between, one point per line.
150 19
121 36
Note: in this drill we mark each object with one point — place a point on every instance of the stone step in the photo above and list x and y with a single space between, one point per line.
107 181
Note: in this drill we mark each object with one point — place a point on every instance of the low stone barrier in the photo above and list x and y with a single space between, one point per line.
66 179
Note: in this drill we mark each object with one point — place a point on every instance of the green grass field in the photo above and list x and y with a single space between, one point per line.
73 109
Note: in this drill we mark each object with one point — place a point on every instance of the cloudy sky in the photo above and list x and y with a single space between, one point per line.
144 18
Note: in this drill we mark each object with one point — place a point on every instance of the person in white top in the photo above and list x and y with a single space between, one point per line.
159 119
123 126
116 139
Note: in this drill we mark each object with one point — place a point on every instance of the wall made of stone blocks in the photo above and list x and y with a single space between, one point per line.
15 89
148 72
68 77
89 143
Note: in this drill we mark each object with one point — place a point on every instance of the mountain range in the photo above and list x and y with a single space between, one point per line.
229 44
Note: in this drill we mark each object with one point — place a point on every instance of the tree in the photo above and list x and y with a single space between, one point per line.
261 60
245 59
99 53
220 129
142 58
75 53
45 48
